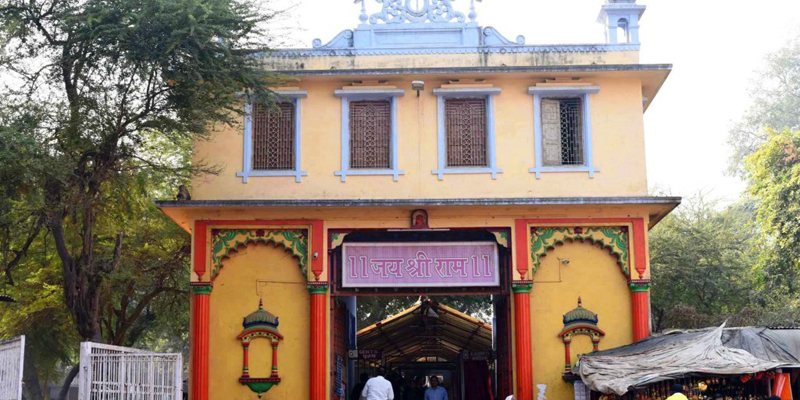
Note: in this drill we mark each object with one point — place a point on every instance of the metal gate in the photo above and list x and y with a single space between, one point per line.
12 354
122 373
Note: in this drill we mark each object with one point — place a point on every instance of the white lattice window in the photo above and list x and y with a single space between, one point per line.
563 129
466 139
272 138
369 132
465 125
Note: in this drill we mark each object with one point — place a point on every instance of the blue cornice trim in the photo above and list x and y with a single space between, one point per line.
368 93
467 91
345 51
478 70
563 90
427 202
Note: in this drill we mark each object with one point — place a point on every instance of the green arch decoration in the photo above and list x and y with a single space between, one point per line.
613 239
227 241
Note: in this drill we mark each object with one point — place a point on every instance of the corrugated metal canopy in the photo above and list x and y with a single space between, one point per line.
427 331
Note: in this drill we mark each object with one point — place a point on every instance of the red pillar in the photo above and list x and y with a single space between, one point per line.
319 295
200 320
522 333
640 295
274 360
246 366
782 386
640 301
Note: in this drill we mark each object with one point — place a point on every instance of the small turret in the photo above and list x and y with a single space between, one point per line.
261 319
621 19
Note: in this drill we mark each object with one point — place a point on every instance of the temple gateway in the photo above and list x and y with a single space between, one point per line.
424 155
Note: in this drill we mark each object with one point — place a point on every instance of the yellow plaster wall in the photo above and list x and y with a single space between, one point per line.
595 276
285 63
617 129
234 297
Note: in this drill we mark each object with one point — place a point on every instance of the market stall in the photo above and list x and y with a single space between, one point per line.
735 363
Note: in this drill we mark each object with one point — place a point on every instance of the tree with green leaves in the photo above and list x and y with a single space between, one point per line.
144 301
707 268
702 258
775 104
773 173
101 101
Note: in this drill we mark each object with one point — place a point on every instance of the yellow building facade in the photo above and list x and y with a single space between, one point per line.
423 154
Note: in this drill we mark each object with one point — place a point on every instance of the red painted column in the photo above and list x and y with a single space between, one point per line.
274 360
319 351
640 288
567 356
640 302
639 247
200 321
782 386
522 334
246 366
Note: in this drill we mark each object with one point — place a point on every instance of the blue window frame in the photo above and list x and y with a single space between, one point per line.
293 96
546 92
463 93
351 95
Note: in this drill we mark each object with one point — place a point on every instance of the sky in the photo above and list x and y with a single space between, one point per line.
717 48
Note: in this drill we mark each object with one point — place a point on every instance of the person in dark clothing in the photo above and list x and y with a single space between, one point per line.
355 394
419 390
413 390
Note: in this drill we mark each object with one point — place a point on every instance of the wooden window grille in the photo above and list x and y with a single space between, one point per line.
562 131
273 137
465 130
370 134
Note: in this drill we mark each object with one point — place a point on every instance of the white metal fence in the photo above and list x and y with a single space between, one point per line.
12 354
121 373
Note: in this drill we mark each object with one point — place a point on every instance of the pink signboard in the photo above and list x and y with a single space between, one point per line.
430 264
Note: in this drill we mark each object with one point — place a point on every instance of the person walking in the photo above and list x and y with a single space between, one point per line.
355 394
435 392
378 388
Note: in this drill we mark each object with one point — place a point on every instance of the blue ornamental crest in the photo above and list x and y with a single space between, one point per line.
419 11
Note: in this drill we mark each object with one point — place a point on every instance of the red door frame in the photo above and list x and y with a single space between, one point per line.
639 288
200 311
503 291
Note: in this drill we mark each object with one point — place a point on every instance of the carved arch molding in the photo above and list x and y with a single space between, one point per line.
613 239
225 242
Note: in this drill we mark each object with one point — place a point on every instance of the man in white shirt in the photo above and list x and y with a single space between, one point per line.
378 388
